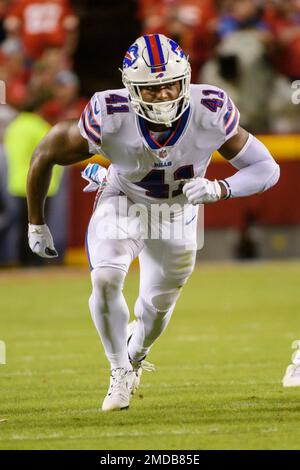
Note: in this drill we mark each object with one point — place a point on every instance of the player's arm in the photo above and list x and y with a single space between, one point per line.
257 171
63 145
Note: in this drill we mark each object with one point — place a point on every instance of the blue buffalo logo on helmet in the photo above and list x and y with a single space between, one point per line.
176 48
131 56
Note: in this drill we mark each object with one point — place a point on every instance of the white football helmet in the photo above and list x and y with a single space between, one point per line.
155 59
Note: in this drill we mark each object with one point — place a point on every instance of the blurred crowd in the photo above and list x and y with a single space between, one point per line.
37 41
251 48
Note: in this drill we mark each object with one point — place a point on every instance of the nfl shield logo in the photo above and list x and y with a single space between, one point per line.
162 153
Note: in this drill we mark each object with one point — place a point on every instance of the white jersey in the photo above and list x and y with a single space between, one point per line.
148 171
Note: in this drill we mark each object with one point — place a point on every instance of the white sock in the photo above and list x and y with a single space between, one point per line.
110 314
149 326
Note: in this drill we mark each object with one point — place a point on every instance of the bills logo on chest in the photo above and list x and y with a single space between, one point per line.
162 164
162 153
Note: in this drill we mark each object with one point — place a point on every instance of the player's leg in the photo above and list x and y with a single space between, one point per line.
110 259
109 309
165 266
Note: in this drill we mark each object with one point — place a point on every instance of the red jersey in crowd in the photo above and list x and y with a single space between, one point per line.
41 23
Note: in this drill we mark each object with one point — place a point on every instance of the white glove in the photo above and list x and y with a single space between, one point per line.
202 191
41 241
96 176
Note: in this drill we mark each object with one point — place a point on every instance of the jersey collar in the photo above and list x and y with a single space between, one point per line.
173 135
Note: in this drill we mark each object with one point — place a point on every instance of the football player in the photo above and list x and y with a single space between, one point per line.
158 132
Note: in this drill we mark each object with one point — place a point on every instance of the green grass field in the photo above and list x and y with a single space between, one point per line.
219 364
